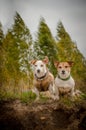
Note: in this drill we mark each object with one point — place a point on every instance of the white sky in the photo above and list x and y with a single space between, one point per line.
72 13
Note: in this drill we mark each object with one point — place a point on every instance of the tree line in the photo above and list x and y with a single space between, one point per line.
17 49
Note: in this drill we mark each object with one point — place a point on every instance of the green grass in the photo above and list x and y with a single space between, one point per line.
71 102
24 96
66 101
8 95
43 98
27 97
83 96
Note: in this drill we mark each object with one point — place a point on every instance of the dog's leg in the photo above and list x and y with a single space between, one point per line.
35 90
54 92
57 93
72 92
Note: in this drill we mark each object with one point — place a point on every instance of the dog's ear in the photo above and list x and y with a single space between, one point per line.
56 63
45 60
70 63
33 62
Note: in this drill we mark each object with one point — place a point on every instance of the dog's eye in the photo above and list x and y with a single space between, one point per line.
60 67
41 65
66 66
35 65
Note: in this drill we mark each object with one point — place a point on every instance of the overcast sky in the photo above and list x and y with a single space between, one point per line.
72 13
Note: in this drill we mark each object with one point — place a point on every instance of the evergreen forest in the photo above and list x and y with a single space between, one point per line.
17 49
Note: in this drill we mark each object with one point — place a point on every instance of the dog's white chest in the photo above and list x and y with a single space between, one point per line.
64 83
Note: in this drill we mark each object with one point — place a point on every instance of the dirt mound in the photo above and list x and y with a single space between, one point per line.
50 115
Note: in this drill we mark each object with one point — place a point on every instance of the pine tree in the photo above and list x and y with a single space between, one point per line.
65 44
1 55
17 46
23 39
11 55
68 51
61 32
1 35
45 44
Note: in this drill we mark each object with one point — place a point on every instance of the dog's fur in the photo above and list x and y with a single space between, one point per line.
64 81
43 79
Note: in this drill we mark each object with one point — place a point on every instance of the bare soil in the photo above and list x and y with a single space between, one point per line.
49 115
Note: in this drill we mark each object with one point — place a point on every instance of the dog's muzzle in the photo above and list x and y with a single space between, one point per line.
63 71
38 71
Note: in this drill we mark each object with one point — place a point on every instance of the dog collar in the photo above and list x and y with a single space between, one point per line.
42 77
65 78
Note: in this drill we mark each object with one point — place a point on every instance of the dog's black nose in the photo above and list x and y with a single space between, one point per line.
38 71
63 72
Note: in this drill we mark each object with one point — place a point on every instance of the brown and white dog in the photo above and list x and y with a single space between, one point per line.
43 79
64 81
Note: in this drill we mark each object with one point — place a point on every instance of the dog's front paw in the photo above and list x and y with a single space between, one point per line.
56 98
37 99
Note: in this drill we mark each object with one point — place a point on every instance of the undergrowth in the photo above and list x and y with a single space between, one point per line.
29 96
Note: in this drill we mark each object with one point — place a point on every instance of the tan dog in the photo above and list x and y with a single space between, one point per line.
43 79
64 82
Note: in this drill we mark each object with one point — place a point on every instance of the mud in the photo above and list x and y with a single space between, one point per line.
49 115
